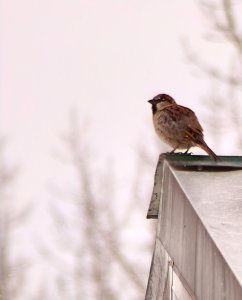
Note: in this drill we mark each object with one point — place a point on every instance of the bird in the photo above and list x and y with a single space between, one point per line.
178 125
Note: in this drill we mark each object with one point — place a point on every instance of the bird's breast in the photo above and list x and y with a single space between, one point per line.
171 128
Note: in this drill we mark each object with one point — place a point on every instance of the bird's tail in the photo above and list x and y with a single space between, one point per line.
209 151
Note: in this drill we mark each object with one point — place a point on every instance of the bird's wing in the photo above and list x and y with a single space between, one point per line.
186 121
193 129
195 134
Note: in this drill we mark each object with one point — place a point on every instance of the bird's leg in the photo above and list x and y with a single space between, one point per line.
186 152
173 151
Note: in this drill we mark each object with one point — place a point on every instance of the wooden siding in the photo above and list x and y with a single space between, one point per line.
200 230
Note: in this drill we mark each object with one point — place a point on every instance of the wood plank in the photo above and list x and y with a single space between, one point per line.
190 245
157 189
158 283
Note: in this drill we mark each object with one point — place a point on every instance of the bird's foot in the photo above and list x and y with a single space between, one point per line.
182 153
171 153
187 153
179 153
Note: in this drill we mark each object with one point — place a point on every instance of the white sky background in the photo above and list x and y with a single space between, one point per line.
103 58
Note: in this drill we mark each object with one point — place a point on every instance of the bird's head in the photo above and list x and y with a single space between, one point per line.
160 101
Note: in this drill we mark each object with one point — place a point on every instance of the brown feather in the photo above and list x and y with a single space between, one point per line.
177 125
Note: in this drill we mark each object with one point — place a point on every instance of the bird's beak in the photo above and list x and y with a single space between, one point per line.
151 101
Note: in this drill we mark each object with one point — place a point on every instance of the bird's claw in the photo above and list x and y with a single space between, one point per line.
187 153
179 153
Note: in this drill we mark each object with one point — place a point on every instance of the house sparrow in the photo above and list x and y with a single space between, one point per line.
177 125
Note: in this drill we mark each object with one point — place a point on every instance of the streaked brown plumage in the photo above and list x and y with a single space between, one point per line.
177 125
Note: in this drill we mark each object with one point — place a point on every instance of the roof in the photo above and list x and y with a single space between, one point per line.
200 213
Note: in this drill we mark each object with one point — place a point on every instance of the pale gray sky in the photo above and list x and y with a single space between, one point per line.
104 58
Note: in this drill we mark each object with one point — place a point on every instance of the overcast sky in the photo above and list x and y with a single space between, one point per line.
104 59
